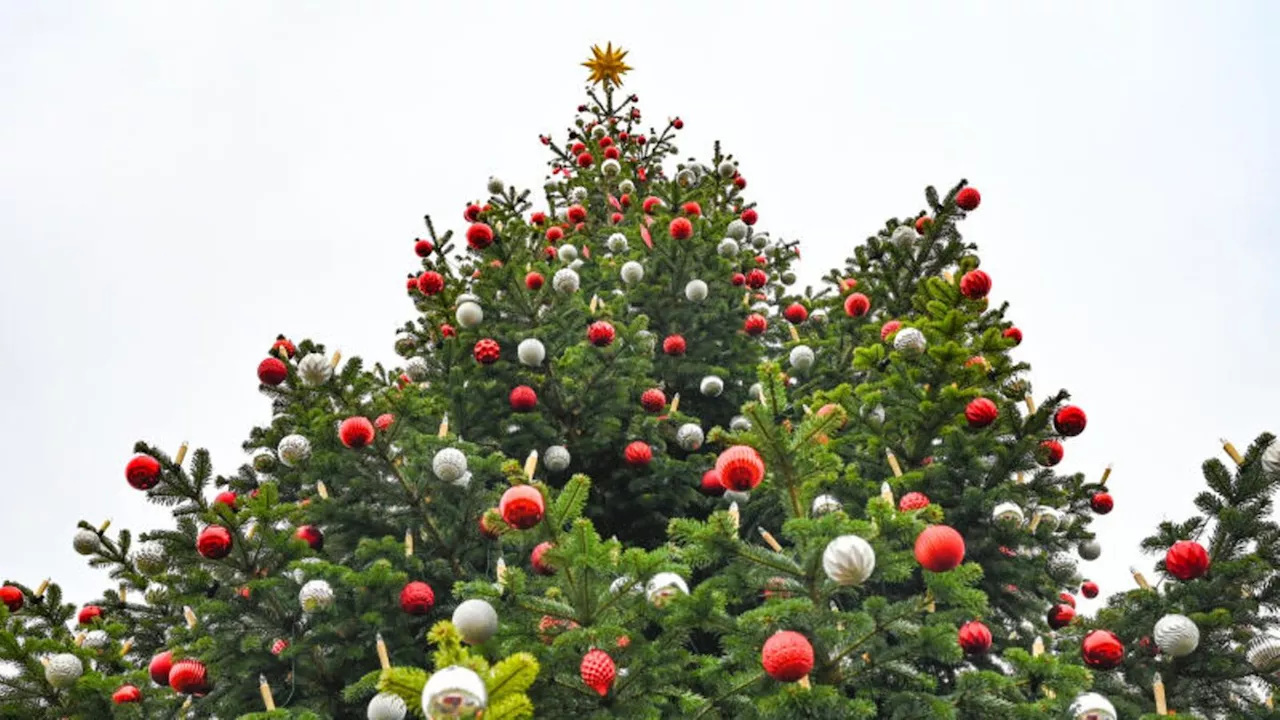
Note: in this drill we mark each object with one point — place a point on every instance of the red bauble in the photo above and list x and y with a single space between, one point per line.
1102 503
272 371
738 280
981 412
214 542
189 677
88 614
975 284
757 279
1014 334
600 333
795 313
142 472
598 671
681 228
750 216
356 432
692 208
423 248
126 694
1102 650
968 199
673 345
755 324
939 548
12 598
1186 560
585 160
787 656
638 453
913 501
430 282
579 147
534 280
487 351
1069 420
677 124
857 305
653 400
1067 598
711 483
283 344
279 645
740 468
523 398
1089 589
922 223
472 213
383 422
889 328
537 217
549 627
446 330
417 598
974 637
311 535
538 559
411 284
575 214
1061 616
1050 453
554 233
522 507
160 666
649 204
226 497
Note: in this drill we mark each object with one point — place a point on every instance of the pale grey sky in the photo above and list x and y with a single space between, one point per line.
181 181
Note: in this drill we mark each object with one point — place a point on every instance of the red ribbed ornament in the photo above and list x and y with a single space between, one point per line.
939 548
189 677
1186 560
356 432
913 501
214 542
638 453
740 468
981 412
974 637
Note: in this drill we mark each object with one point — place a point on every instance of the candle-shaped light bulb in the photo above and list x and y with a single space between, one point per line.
1231 451
675 404
1037 647
893 463
408 543
734 515
103 527
182 453
1031 405
190 616
322 490
268 700
337 358
886 492
383 658
1106 475
444 426
1138 578
531 464
770 540
1157 687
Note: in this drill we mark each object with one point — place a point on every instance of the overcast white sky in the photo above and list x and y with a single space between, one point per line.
181 181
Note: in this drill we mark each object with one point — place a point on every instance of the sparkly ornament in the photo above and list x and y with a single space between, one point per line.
315 596
1092 706
1050 453
126 694
598 671
1264 653
632 272
740 468
159 668
314 369
430 282
728 248
711 386
556 458
417 598
617 243
1069 420
522 507
801 357
824 504
653 400
681 228
1176 635
857 305
980 412
567 253
638 453
600 333
975 284
566 281
355 432
695 290
88 614
449 464
663 587
387 706
214 542
454 692
689 437
476 621
189 677
416 368
908 340
469 314
1090 549
293 450
737 229
96 640
1050 518
1089 589
1186 560
538 560
913 501
974 637
523 398
1007 512
1271 459
12 598
142 472
1061 616
848 560
1102 503
939 548
272 371
710 484
968 199
63 670
739 424
86 542
904 235
1102 650
787 656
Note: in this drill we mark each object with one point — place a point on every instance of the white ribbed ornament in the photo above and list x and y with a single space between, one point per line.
315 596
739 424
818 317
293 449
632 272
610 167
617 243
1264 653
387 706
909 340
848 560
449 464
566 281
801 357
314 369
1176 635
63 670
1007 512
96 640
695 290
1271 458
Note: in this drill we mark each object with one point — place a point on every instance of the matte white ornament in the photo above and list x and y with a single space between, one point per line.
689 436
695 290
449 464
824 504
1089 549
293 449
848 560
86 542
1271 458
756 392
728 248
314 369
711 386
476 621
96 639
150 559
63 670
909 340
578 194
737 229
531 352
566 281
737 496
904 235
1092 706
454 692
664 586
632 272
557 458
416 368
387 706
610 167
617 243
1007 512
495 186
627 186
567 253
818 317
739 424
801 357
1176 635
1264 653
315 596
469 314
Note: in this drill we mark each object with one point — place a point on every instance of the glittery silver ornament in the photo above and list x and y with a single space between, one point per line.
63 670
315 596
575 265
739 424
737 496
566 281
687 179
824 504
1007 512
469 314
1271 458
567 253
454 692
663 587
801 357
1092 706
695 290
314 369
632 272
150 559
1089 549
531 352
617 243
756 392
293 450
598 132
264 461
788 277
449 464
1176 635
578 194
624 584
416 369
627 186
737 229
909 340
1062 567
96 640
711 386
387 706
728 248
818 317
1264 653
1050 518
86 542
689 436
476 621
904 235
557 458
873 415
848 560
610 167
726 169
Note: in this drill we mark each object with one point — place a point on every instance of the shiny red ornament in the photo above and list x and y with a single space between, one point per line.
1067 598
981 412
750 216
740 467
1069 420
214 542
1102 503
857 305
650 204
126 694
189 677
479 236
795 313
446 330
417 598
598 671
681 228
430 282
283 344
739 182
600 333
616 218
311 535
673 345
1102 650
653 400
585 160
226 497
975 284
968 199
472 213
575 214
1186 560
889 328
88 614
142 472
539 561
757 279
356 432
939 548
922 223
579 147
537 218
913 501
534 280
711 483
383 422
272 371
160 666
522 507
677 124
411 284
787 656
692 208
638 453
738 280
12 598
486 351
1089 589
1014 334
755 324
279 645
1050 453
1061 616
555 233
523 398
423 248
974 637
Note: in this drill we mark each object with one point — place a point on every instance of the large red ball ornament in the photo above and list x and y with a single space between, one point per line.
638 453
1067 598
981 412
939 548
311 535
913 501
585 160
356 432
472 213
598 671
576 214
968 199
1089 589
523 398
534 280
600 333
126 694
554 233
787 656
795 313
711 483
272 371
975 284
740 467
487 351
422 248
283 344
974 637
738 279
890 328
755 324
681 228
142 472
1050 453
1102 503
160 666
673 345
479 236
1102 650
214 542
88 614
227 498
189 677
12 598
750 216
1014 334
430 282
857 305
650 204
653 400
522 507
1061 616
417 598
538 559
1069 420
757 279
1186 560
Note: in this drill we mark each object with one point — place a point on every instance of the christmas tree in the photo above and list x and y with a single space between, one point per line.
630 469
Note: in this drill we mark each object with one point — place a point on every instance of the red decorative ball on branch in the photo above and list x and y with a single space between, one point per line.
283 344
12 598
638 454
981 412
1014 334
311 535
673 345
1069 420
189 677
356 432
126 694
922 223
681 228
1102 503
857 305
598 671
890 328
159 668
740 468
968 198
227 498
1061 616
576 214
539 561
1050 453
757 279
1089 589
472 213
795 313
423 248
1067 598
88 614
534 280
653 400
1186 560
487 351
975 284
913 501
1102 650
430 282
523 398
600 333
974 637
272 371
755 324
522 507
554 234
585 160
214 542
787 656
142 472
750 216
711 483
383 422
738 279
939 548
417 598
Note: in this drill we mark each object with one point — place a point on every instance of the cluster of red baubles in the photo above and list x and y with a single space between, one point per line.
187 676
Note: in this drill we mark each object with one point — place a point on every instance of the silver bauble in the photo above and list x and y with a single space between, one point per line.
737 229
314 369
617 243
711 386
449 464
632 272
726 169
904 235
150 559
567 253
848 560
626 186
63 670
824 504
909 340
565 281
387 706
1050 518
263 460
315 596
96 640
469 314
760 241
557 458
728 248
1271 458
1007 512
756 392
788 277
454 692
1062 567
610 167
739 424
695 290
1089 549
1264 653
664 586
818 317
416 369
575 265
531 352
624 584
293 450
495 186
598 132
1176 635
737 496
801 357
577 194
1092 706
476 621
689 437
687 179
86 542
873 415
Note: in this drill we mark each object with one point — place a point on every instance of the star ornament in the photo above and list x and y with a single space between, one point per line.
606 65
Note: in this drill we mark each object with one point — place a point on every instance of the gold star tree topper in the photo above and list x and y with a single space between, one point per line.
606 66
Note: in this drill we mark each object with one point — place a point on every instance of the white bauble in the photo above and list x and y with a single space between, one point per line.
824 504
1089 549
566 281
1007 512
1264 653
617 243
467 297
904 235
86 542
909 340
848 560
632 272
598 131
293 449
476 621
557 458
454 692
63 670
449 464
711 386
646 341
756 392
1271 458
567 253
737 229
610 167
469 314
726 169
387 706
531 352
728 247
1049 517
416 369
818 317
96 640
739 424
1092 706
760 241
689 436
802 357
788 277
315 596
737 496
695 290
664 586
624 584
626 186
1176 635
314 369
578 194
150 559
495 186
687 179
